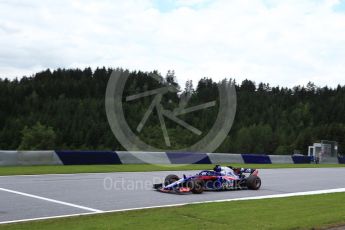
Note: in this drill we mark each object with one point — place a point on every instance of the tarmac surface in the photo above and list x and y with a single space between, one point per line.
41 196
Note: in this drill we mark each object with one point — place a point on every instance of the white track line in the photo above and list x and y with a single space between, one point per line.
51 200
317 192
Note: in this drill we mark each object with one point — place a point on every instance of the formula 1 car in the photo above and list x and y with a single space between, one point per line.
220 178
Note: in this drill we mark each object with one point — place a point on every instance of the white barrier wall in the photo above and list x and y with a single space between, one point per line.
221 158
143 157
8 158
48 157
38 158
329 160
281 159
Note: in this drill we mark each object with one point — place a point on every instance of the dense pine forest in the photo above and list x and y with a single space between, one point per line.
65 109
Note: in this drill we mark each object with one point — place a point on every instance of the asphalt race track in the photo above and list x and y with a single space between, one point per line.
39 196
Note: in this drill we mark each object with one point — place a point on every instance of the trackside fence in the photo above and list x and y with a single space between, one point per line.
69 157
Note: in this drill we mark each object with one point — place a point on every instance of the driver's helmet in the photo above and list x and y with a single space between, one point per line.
217 168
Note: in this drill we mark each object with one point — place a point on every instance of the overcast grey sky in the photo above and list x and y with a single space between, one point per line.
280 42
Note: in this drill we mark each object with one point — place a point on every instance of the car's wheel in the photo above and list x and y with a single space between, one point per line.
170 179
196 186
253 182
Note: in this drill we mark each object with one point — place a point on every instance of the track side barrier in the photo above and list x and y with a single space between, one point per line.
301 159
281 159
221 158
329 160
38 158
47 157
134 157
341 160
76 157
256 159
88 157
188 158
8 158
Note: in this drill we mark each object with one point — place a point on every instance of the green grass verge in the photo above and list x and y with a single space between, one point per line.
302 212
63 169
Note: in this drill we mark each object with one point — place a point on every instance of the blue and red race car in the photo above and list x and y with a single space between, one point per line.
220 178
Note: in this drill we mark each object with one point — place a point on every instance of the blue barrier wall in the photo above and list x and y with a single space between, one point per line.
88 157
188 158
256 159
301 159
341 160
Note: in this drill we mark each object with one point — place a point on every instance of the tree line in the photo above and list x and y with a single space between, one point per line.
65 109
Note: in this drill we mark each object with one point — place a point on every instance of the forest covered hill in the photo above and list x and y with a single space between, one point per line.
65 109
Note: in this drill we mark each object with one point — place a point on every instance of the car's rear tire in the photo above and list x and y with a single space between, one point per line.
196 186
253 182
170 179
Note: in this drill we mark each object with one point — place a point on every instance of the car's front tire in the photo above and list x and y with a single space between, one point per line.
170 179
